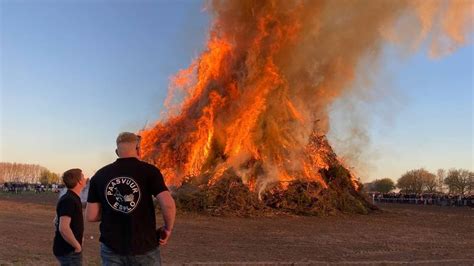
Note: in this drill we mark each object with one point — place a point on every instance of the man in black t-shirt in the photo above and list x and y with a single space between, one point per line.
67 245
121 198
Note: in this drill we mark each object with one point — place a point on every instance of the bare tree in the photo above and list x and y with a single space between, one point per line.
17 172
441 174
417 181
471 182
459 181
383 185
430 182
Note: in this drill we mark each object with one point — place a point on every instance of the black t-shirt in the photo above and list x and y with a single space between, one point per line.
68 205
125 190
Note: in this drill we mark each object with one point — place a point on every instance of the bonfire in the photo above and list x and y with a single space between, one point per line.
245 125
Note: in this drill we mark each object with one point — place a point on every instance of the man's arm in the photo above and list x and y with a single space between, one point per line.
67 234
93 211
168 210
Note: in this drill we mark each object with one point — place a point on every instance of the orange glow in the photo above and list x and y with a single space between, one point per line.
271 69
234 111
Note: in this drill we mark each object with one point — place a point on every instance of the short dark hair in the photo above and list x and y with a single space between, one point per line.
71 177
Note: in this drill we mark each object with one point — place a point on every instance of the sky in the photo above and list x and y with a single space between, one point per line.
73 74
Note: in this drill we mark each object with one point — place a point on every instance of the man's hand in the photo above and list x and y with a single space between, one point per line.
163 235
78 250
67 234
168 210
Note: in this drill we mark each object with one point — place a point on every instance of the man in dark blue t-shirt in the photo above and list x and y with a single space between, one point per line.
67 245
121 198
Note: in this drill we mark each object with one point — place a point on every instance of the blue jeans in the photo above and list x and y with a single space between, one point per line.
73 259
110 258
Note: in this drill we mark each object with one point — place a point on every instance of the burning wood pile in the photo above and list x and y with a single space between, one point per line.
239 132
336 192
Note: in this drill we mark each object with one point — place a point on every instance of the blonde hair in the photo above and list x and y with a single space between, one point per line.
127 137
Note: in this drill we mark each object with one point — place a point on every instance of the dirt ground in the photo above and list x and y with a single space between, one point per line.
401 234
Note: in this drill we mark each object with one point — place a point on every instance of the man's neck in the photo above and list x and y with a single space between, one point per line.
76 190
128 156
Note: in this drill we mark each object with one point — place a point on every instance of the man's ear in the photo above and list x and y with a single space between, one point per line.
137 148
116 152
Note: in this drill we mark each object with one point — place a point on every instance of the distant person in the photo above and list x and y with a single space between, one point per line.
121 198
67 245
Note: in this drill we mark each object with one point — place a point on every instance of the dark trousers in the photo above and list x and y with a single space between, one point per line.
110 258
73 259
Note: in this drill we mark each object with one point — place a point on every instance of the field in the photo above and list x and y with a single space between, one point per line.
424 235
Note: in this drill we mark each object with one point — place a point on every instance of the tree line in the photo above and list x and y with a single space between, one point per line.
456 181
26 173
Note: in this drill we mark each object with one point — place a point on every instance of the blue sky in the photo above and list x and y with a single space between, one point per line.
432 121
75 73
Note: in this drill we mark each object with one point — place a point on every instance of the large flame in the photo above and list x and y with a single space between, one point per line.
259 94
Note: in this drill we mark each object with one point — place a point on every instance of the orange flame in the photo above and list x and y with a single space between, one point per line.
271 68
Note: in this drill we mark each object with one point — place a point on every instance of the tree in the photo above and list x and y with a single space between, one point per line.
471 182
43 179
441 174
48 177
383 185
18 172
459 181
417 181
429 181
54 178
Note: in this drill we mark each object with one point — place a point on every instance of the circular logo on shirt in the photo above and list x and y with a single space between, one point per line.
122 194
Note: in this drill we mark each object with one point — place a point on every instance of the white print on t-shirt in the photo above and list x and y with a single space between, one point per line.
122 194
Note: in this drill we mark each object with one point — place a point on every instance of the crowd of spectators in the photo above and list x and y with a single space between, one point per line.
19 187
440 199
